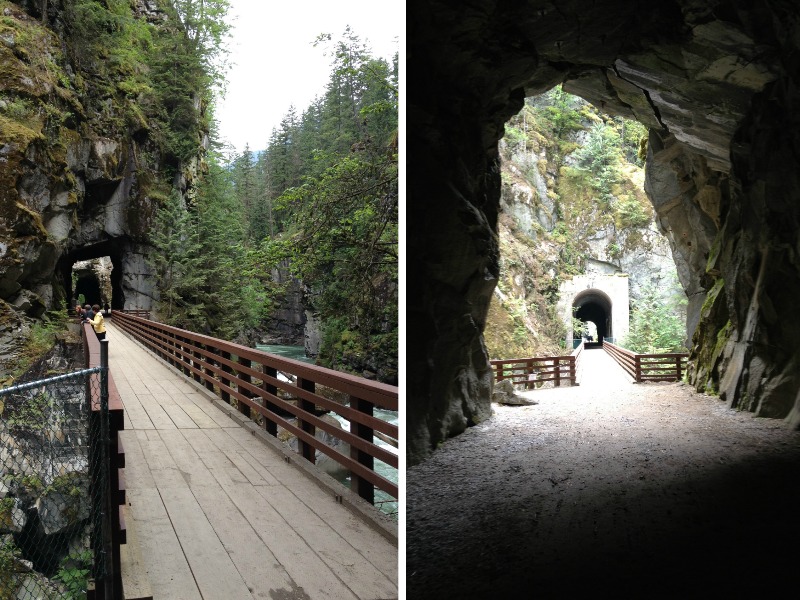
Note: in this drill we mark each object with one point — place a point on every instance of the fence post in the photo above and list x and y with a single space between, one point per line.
306 449
361 486
678 366
270 425
224 394
637 363
572 371
244 408
558 371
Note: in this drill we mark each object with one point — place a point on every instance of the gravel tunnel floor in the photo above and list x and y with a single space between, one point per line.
622 490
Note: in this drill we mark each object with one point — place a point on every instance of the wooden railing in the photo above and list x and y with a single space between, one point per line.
649 367
535 371
107 457
249 379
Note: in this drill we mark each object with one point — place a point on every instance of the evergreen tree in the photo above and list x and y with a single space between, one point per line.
176 259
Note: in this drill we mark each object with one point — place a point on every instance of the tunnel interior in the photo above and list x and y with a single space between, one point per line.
88 284
594 306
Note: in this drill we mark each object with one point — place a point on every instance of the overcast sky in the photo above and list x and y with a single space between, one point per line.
275 64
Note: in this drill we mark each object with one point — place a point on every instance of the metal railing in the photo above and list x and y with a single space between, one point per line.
649 367
539 371
288 394
58 534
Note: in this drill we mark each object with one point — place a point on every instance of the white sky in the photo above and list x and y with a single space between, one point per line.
275 64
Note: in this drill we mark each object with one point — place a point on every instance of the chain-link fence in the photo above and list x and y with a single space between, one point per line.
52 487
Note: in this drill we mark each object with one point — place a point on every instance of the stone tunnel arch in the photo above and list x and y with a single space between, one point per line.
593 305
126 281
715 83
603 299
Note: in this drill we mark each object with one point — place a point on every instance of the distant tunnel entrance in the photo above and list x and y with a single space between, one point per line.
87 282
595 306
599 299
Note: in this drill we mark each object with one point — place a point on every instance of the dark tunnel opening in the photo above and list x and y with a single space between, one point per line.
88 284
595 306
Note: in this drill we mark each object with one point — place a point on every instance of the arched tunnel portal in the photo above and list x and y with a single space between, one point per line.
87 283
717 85
595 306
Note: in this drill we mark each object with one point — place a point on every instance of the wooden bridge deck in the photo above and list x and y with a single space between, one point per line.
219 514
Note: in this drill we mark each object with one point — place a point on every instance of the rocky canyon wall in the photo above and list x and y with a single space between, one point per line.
81 174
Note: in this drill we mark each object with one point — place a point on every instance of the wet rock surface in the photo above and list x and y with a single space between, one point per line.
619 490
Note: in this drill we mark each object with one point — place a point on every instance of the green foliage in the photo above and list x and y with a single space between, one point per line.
74 573
32 415
601 155
206 280
158 78
176 259
657 326
9 554
344 243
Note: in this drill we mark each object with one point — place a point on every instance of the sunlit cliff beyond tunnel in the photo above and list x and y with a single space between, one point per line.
717 83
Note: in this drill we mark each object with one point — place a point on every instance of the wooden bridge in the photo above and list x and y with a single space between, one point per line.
216 508
554 371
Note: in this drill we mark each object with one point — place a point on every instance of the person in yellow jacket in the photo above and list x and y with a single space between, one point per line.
98 323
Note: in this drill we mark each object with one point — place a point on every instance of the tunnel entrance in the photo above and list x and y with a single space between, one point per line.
94 271
87 288
601 299
594 306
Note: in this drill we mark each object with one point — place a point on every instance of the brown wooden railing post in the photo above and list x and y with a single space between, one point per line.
269 424
678 366
359 485
638 367
244 408
557 372
306 449
224 394
209 382
572 371
500 371
197 363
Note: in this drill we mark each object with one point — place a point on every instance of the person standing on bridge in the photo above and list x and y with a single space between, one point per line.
98 322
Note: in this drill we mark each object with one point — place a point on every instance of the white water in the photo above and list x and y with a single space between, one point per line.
383 501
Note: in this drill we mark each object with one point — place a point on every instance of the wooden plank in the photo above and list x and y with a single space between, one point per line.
136 416
241 459
196 406
215 414
179 416
167 567
137 473
156 412
135 581
256 563
360 575
368 542
300 560
186 459
212 567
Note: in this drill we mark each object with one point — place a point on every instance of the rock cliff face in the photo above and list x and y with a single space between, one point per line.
78 178
714 81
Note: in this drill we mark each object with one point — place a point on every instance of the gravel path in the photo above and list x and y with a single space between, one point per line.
630 491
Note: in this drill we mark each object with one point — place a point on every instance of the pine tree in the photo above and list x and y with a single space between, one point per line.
176 260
